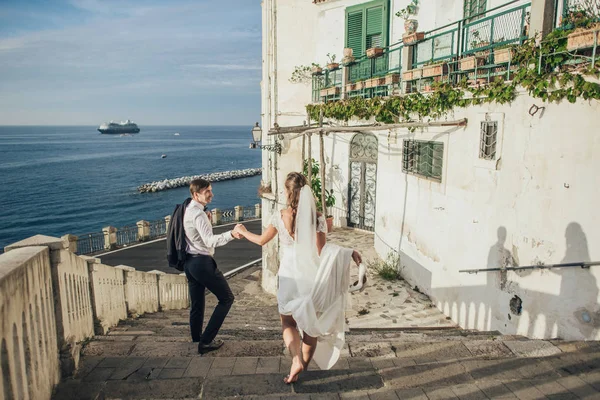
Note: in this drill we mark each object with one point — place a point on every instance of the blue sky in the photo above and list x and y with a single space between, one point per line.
169 62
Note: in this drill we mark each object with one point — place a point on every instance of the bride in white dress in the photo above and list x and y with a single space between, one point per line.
313 279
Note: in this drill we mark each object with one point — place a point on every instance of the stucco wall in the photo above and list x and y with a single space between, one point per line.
534 205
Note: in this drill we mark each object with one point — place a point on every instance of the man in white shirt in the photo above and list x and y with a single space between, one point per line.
201 269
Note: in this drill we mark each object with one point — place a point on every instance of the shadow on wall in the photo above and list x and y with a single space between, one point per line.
572 312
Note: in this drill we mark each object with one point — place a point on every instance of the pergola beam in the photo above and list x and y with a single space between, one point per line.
360 128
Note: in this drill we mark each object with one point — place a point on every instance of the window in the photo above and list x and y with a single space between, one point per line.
318 83
367 26
474 7
488 140
423 158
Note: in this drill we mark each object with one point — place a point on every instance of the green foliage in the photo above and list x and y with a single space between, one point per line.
331 58
387 269
550 81
303 73
315 185
409 10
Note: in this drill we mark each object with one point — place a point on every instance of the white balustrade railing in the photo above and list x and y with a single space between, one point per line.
52 300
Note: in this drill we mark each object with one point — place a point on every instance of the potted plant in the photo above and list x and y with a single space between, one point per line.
412 38
503 54
391 79
315 185
331 64
435 69
348 56
586 32
316 69
471 62
478 42
410 24
374 52
374 82
303 73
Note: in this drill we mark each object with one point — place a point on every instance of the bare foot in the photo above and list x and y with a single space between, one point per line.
295 370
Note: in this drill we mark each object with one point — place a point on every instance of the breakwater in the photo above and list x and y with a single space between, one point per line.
166 184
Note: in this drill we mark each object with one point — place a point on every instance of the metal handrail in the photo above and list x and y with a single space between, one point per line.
582 264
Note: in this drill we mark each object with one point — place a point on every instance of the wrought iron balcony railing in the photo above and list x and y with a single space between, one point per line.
477 48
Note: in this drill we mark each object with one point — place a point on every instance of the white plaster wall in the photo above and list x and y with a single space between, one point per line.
541 196
541 193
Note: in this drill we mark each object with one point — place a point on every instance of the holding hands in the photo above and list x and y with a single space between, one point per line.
238 231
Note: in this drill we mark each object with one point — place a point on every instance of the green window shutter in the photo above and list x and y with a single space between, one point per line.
354 32
374 27
367 25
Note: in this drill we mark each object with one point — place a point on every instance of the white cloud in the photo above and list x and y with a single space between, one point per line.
134 50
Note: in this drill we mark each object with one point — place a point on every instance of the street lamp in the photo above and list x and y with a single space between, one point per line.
257 138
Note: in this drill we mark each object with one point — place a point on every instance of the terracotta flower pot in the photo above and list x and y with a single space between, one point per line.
332 66
582 39
410 26
374 52
435 70
469 63
502 56
391 79
329 221
410 39
317 70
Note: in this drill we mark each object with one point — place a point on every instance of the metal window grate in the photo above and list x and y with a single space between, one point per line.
488 140
423 158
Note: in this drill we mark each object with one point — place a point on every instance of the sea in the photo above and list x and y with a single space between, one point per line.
56 180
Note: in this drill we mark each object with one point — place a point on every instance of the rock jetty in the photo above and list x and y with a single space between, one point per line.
185 180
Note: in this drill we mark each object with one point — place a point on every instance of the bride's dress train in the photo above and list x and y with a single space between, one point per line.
313 289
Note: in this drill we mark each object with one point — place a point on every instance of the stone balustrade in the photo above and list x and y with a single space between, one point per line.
52 301
173 292
141 292
107 285
29 362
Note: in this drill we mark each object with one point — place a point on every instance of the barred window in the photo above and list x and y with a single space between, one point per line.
423 158
488 140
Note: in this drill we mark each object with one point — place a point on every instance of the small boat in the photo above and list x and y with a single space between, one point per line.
163 156
176 134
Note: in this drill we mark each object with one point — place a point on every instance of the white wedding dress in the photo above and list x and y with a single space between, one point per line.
313 289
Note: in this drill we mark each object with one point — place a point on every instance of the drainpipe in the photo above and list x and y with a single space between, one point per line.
275 97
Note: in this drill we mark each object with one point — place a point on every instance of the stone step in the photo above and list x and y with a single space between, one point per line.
566 375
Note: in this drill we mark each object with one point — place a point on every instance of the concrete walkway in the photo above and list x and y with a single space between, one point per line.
385 304
152 358
153 255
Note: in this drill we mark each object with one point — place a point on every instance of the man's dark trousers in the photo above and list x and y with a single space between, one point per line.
202 273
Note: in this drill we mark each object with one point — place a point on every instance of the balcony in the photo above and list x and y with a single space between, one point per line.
478 49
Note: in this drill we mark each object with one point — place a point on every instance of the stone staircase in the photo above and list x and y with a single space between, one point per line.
152 358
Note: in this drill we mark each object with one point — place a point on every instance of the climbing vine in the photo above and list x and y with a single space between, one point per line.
552 79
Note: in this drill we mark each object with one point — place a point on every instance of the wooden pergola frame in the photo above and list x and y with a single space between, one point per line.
308 130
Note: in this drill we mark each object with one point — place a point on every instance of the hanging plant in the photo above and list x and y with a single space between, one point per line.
552 81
